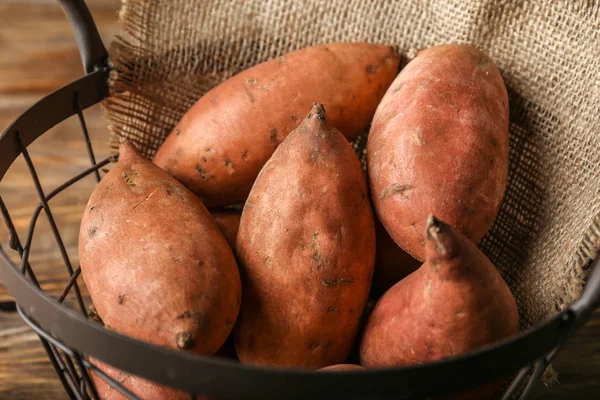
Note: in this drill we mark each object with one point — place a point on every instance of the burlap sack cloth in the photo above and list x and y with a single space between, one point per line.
548 229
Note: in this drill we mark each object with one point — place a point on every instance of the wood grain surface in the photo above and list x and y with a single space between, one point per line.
38 55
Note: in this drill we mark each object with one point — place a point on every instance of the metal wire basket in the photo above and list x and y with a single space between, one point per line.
69 337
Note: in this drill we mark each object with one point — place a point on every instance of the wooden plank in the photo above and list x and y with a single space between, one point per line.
39 56
39 52
25 372
577 365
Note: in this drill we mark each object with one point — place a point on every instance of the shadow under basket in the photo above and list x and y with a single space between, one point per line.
545 240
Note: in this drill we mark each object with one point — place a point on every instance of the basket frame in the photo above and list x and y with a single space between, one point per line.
68 335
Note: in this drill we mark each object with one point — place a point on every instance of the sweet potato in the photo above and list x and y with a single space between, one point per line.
439 143
391 262
454 303
228 222
222 142
154 262
142 388
342 367
306 247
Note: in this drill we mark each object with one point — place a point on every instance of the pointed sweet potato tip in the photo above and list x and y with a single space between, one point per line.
127 150
317 110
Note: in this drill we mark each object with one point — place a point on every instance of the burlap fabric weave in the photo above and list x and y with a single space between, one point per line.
548 229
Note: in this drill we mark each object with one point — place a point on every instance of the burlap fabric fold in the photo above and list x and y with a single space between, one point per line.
548 230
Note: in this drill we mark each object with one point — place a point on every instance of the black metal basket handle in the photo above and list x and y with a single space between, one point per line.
93 53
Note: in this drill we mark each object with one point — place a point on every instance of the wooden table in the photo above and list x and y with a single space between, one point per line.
39 55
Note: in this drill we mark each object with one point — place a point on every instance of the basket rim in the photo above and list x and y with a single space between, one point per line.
70 331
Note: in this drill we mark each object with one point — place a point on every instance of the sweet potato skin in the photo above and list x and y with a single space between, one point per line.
306 247
454 303
342 367
228 222
142 388
439 144
392 264
155 264
222 142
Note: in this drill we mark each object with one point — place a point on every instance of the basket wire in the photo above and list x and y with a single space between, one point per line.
75 379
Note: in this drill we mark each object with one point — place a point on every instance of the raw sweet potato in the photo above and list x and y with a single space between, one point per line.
454 303
439 143
154 262
222 142
306 247
142 388
228 221
342 367
391 262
